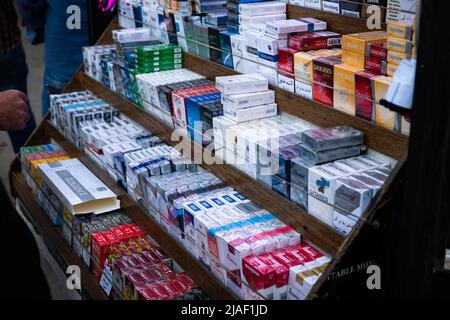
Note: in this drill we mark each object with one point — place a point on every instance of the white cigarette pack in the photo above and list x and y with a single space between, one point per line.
321 210
245 100
286 26
269 45
242 83
246 19
321 183
79 189
262 8
352 196
343 222
251 113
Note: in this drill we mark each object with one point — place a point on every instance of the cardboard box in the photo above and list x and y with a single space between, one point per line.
357 42
323 76
364 95
344 88
77 188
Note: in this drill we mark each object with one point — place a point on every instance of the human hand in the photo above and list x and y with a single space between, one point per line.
14 113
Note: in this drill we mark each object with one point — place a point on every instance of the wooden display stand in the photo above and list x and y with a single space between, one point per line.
330 241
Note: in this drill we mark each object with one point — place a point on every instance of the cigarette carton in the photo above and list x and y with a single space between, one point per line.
262 8
357 42
395 57
332 138
245 100
247 19
313 4
295 25
344 88
251 113
399 45
391 68
373 184
323 76
241 84
315 40
79 190
402 30
318 157
286 82
383 116
364 95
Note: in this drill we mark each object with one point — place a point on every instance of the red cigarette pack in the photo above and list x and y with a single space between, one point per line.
377 50
364 95
375 66
323 76
286 59
259 276
315 40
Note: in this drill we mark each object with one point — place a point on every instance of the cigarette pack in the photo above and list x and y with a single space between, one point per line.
344 88
377 51
402 30
286 59
352 196
333 6
77 188
259 276
313 4
251 113
215 51
269 45
357 42
242 84
262 8
218 18
395 57
383 116
322 182
364 95
318 157
323 76
245 100
401 10
399 45
315 40
225 44
375 66
391 68
351 8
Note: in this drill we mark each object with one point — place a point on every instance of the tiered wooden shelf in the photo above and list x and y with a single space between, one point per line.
379 139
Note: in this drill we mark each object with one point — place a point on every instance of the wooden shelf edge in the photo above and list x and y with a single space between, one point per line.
204 278
52 237
320 234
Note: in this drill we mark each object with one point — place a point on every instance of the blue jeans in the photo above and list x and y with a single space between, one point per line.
13 75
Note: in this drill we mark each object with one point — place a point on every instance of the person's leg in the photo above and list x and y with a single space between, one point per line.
14 76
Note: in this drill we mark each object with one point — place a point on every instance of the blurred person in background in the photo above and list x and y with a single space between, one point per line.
13 67
52 22
22 276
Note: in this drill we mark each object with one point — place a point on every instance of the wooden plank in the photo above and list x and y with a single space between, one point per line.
314 230
335 22
205 279
385 141
52 237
